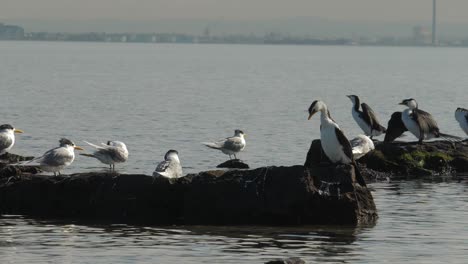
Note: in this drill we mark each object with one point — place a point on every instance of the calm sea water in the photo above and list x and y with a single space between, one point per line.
160 97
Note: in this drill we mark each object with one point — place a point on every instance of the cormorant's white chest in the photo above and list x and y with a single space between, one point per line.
361 122
330 143
410 123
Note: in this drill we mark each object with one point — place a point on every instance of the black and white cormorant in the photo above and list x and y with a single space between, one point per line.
366 119
461 115
334 143
420 123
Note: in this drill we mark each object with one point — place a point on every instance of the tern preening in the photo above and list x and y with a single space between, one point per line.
110 153
170 167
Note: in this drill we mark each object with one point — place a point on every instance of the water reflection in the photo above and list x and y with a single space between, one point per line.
232 244
419 221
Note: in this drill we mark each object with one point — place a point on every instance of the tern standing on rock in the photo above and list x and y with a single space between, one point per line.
58 158
7 137
110 153
231 145
170 167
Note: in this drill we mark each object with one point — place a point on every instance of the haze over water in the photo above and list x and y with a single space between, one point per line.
161 97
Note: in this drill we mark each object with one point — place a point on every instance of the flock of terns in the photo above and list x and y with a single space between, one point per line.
113 152
335 145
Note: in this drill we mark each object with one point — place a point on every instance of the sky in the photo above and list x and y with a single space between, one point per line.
450 11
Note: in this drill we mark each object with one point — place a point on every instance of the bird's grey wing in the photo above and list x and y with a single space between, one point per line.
345 143
370 114
426 122
233 144
116 154
5 141
56 157
466 116
162 166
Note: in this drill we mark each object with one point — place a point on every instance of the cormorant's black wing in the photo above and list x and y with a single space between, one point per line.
369 114
426 122
395 127
349 152
345 143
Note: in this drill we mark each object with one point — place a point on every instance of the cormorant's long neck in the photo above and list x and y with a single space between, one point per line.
324 117
356 103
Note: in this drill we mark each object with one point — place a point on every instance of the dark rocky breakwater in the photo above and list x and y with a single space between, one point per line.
405 159
294 195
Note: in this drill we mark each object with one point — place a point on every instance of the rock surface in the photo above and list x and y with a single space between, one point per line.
286 261
405 159
410 159
233 164
268 195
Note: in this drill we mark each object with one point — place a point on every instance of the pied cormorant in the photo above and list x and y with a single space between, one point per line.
334 143
420 123
366 119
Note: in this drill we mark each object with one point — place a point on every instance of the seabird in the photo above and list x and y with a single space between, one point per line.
361 145
334 143
420 123
461 115
230 145
110 153
170 167
366 119
395 127
7 137
58 158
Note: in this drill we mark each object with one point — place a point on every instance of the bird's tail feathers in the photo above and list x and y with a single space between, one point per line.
87 155
211 145
449 137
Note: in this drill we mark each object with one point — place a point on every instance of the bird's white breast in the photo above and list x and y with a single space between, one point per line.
410 124
460 117
330 144
360 121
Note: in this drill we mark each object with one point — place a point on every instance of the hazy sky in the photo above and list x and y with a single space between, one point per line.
453 11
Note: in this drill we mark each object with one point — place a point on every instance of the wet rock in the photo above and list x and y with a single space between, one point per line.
404 159
410 159
233 164
8 158
269 195
286 261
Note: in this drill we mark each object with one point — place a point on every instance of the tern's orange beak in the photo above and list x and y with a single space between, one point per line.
78 148
18 131
310 115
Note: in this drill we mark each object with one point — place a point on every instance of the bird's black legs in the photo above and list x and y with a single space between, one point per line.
235 156
230 157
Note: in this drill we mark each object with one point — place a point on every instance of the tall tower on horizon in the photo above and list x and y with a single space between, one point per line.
434 38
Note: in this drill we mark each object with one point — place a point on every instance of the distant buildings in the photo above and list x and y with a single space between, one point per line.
419 36
10 32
